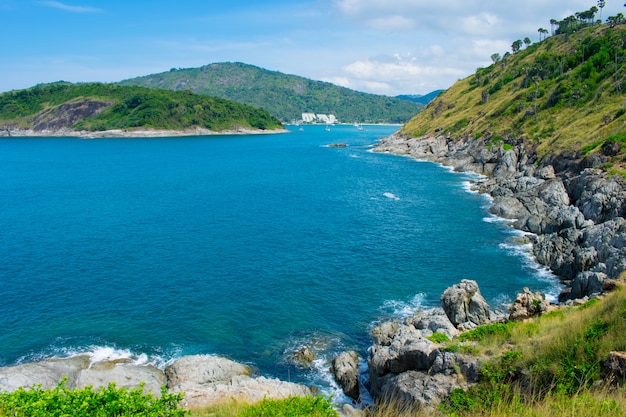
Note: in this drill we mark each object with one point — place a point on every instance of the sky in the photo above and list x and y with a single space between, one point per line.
385 47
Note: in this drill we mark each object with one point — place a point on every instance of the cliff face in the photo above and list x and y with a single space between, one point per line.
575 211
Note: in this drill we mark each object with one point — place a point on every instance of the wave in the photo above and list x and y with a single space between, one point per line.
523 249
391 196
99 353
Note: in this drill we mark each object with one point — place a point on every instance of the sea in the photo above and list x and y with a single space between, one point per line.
245 246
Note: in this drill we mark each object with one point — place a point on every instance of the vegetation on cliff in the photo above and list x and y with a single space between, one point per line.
284 96
99 107
563 94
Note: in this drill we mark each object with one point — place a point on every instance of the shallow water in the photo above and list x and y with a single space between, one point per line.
244 246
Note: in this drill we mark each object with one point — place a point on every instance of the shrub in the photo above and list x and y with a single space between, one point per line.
105 402
438 338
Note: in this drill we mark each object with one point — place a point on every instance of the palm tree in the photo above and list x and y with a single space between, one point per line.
553 23
516 46
495 58
527 41
601 4
542 32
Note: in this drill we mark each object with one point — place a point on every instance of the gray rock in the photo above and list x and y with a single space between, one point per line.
435 321
585 284
528 304
203 369
464 305
345 370
122 375
46 373
419 389
408 350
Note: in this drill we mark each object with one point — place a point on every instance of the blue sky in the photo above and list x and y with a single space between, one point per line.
379 46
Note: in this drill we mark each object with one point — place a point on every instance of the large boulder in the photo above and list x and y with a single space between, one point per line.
203 369
419 388
528 304
346 373
464 305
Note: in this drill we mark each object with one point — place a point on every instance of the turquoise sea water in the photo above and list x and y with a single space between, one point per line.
244 246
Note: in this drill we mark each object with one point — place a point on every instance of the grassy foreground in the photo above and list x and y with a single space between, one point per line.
547 366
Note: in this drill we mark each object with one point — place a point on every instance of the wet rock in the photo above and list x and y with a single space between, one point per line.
464 305
345 370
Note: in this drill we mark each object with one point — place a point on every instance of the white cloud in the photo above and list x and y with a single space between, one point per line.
73 9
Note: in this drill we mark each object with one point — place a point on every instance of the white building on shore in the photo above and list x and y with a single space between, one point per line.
319 118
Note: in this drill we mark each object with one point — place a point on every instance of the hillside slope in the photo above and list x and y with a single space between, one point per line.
104 107
563 95
284 96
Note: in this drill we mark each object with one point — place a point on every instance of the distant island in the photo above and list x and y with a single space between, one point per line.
285 96
91 110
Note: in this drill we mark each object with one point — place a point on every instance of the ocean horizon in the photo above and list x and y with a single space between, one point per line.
246 246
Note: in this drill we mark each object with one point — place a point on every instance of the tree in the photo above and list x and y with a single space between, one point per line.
516 46
542 32
527 41
495 58
601 4
553 23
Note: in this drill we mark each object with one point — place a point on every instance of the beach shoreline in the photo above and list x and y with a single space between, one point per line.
139 133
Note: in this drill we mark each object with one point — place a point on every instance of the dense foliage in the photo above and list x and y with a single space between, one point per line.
104 402
127 108
284 96
565 93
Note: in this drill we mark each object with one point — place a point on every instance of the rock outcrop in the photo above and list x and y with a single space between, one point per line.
528 304
465 306
346 373
406 365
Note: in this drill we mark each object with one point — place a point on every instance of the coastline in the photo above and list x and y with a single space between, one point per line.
139 133
570 210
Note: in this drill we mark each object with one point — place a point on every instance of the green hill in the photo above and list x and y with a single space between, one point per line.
284 96
419 98
99 107
562 95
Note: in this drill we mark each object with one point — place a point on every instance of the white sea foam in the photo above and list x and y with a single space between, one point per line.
104 353
404 309
391 196
525 252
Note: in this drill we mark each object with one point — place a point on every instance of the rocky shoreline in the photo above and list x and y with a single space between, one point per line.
135 133
574 212
204 379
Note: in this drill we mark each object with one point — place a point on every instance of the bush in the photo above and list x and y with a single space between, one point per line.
86 402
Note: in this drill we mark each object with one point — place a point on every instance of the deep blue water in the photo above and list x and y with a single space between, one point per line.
245 246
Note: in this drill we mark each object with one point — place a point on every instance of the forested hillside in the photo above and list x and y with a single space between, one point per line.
563 94
100 107
284 96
